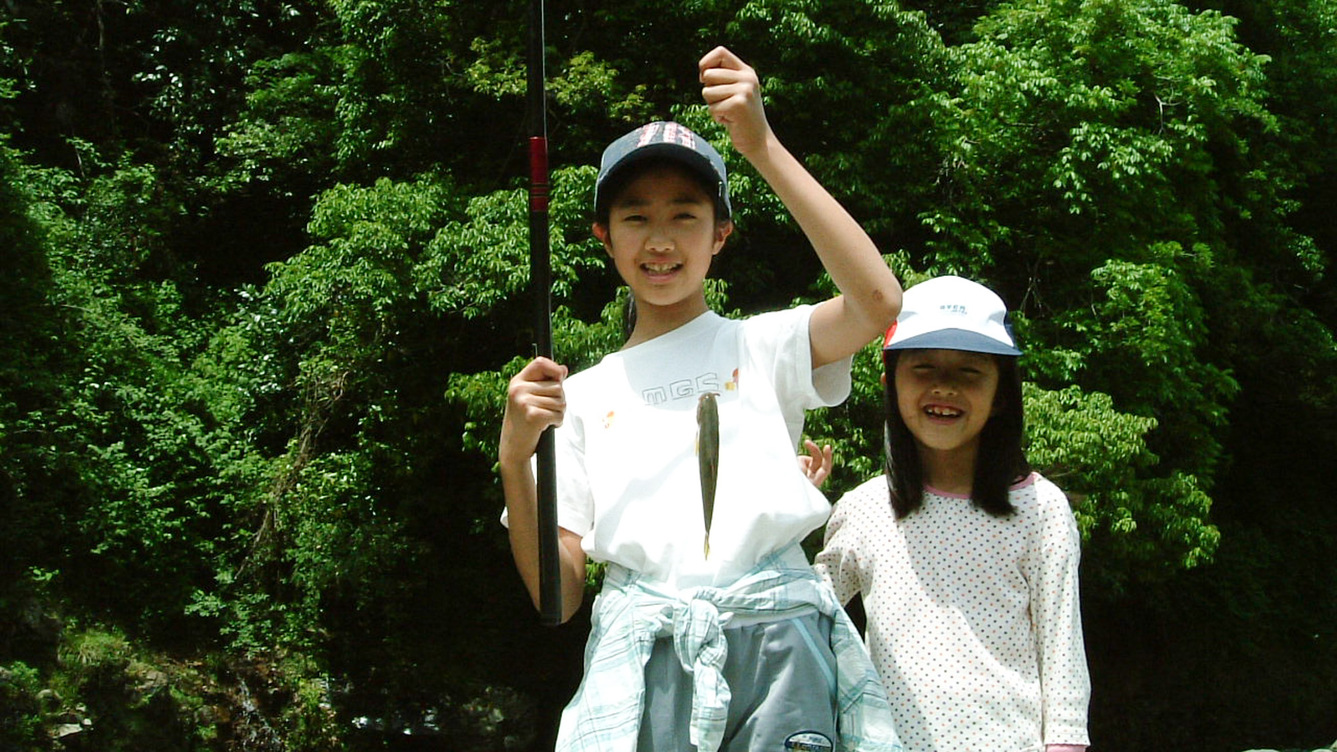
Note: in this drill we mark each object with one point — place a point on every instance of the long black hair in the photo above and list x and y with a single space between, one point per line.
1000 463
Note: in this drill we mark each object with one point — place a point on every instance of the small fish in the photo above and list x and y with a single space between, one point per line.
708 455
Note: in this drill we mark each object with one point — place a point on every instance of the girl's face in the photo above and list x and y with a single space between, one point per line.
945 397
661 235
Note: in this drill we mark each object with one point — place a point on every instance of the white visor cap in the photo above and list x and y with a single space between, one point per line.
952 313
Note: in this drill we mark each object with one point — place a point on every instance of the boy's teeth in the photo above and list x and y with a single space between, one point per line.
944 412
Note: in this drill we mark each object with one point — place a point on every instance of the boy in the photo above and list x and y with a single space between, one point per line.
736 645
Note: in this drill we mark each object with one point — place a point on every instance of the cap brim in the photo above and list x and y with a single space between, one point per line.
954 339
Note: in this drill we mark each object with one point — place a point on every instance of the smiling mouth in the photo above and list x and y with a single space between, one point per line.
942 411
661 268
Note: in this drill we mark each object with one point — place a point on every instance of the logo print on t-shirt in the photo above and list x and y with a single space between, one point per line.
683 389
809 741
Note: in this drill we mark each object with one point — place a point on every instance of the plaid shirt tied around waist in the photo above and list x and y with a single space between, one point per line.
630 614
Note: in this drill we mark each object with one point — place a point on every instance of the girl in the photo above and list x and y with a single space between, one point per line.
965 559
735 644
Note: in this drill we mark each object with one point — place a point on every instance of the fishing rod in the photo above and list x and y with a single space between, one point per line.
540 280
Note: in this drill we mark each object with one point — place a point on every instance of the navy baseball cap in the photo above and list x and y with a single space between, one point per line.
952 313
670 140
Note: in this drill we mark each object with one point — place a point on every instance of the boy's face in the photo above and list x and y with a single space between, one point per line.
662 234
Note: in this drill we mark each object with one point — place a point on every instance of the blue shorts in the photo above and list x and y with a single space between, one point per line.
782 679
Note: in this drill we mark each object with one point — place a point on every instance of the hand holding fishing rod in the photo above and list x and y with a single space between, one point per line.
535 403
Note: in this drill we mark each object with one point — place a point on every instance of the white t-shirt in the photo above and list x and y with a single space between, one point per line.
973 620
628 479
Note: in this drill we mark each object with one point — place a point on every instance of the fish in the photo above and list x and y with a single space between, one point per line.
708 455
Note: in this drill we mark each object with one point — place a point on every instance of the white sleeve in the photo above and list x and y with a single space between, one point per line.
838 562
575 503
1065 685
778 343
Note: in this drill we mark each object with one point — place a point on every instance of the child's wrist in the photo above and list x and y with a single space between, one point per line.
511 459
766 150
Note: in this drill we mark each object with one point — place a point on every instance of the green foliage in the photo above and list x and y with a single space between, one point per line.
104 692
1114 112
287 125
27 381
20 708
1145 342
129 429
1099 457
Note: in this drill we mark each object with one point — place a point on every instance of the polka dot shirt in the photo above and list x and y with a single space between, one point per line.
973 620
